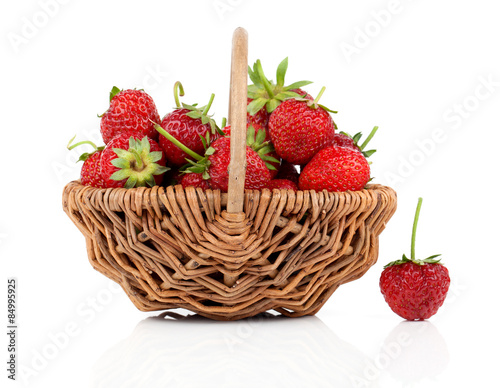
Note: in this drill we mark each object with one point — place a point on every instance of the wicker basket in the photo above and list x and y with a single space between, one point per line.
228 256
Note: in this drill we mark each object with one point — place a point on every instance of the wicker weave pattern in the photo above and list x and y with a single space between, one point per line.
171 248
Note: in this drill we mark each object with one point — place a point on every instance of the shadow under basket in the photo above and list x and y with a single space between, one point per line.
170 247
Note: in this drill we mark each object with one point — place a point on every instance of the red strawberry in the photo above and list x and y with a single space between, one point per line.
343 139
132 111
90 174
129 161
415 289
288 171
257 174
282 184
299 128
265 95
259 140
260 117
188 124
335 169
196 180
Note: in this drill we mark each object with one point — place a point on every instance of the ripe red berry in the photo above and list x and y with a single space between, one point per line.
343 139
299 128
415 289
257 174
282 184
196 180
90 174
335 169
188 124
132 111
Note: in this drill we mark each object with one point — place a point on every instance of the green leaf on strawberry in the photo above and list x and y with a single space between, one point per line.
264 92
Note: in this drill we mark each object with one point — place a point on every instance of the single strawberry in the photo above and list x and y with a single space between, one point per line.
265 94
90 174
299 128
188 124
196 180
282 184
415 289
131 161
335 169
132 111
288 171
343 139
258 139
261 117
257 174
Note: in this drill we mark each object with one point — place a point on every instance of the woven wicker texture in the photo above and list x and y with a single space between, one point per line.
179 248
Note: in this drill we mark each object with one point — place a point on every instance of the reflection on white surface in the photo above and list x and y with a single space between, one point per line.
170 350
418 351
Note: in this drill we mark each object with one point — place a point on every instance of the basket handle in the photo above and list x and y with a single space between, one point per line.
238 119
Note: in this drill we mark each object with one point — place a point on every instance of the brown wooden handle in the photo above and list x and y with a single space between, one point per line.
238 119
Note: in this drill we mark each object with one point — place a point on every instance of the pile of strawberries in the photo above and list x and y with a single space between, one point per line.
286 128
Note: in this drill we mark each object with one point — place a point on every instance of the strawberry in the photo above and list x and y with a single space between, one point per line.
196 180
129 161
261 117
90 174
257 174
299 128
188 124
265 95
343 139
288 171
258 139
415 289
282 184
335 169
132 111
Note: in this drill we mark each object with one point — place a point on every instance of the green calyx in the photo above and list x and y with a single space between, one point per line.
264 92
357 137
137 164
114 91
256 141
314 104
196 112
200 163
429 260
83 157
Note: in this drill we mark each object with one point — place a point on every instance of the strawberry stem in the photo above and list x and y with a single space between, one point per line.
178 91
71 146
365 143
414 231
319 95
207 108
178 143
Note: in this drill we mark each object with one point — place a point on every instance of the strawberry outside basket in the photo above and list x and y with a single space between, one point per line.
228 256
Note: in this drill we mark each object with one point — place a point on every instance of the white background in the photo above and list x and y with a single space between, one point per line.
426 72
